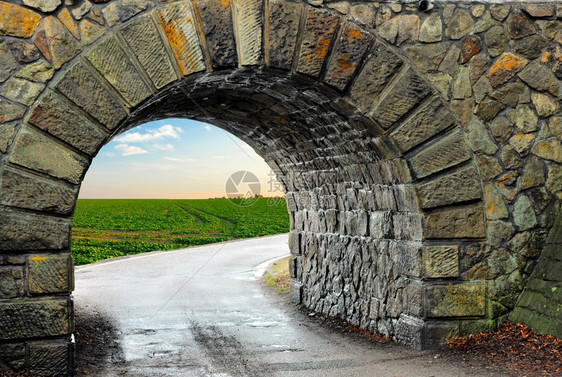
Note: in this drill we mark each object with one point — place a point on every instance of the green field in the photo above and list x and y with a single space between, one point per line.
104 228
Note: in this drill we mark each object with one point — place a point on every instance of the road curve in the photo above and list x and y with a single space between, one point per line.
202 311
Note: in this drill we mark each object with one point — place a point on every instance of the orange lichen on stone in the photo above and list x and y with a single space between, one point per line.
322 47
17 21
178 43
225 3
67 20
353 33
505 68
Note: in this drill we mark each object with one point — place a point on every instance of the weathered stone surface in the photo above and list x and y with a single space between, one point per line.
530 47
43 5
495 205
447 152
25 191
62 44
363 13
67 20
478 66
456 300
431 29
526 119
427 57
552 57
450 63
460 25
496 40
90 32
22 91
9 63
456 187
407 92
50 273
319 30
24 232
462 86
544 104
58 117
179 25
554 180
40 71
440 261
540 10
523 214
442 82
10 111
110 59
510 94
550 149
23 51
501 129
505 68
17 21
533 173
8 285
519 26
347 55
479 139
37 152
82 10
248 27
470 46
538 76
51 358
216 24
122 10
429 120
6 132
374 76
510 158
481 89
35 318
284 19
144 40
458 222
83 88
500 11
484 23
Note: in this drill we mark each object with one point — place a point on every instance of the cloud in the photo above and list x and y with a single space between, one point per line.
164 147
208 128
130 150
174 159
109 154
164 132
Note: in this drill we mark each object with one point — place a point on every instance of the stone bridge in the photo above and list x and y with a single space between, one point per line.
419 146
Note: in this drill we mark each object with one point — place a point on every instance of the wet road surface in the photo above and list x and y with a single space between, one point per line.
203 311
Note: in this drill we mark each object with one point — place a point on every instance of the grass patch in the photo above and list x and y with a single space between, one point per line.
278 276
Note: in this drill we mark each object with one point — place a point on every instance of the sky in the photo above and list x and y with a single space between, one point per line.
174 159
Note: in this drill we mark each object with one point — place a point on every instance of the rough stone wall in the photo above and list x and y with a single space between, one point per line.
420 152
540 304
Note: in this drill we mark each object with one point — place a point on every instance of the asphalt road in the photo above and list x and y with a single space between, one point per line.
204 311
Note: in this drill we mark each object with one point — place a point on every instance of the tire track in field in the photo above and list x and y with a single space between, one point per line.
197 219
229 223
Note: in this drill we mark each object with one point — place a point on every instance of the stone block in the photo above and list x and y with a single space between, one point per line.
295 243
248 26
426 122
40 153
8 284
284 20
414 299
50 274
409 331
22 190
81 86
216 24
12 355
380 225
505 68
143 38
449 151
406 93
435 335
20 232
58 117
10 111
31 318
319 31
440 261
347 55
456 222
456 300
296 292
112 62
456 187
51 358
17 21
407 226
379 68
62 44
407 258
180 27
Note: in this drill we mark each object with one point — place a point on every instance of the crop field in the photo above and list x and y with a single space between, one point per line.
107 228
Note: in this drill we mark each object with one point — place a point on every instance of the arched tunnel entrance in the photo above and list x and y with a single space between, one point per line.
384 191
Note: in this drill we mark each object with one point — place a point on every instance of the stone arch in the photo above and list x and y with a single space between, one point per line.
381 183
